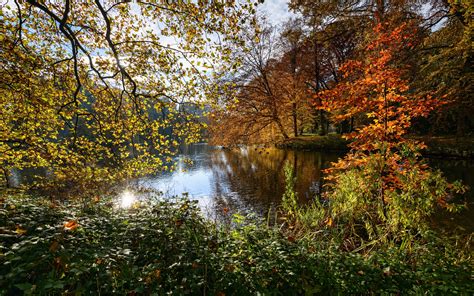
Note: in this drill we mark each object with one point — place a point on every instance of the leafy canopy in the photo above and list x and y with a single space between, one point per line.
98 91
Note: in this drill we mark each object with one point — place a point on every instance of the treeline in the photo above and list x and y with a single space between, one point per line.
287 76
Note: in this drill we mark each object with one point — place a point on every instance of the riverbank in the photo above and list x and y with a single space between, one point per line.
451 147
331 142
167 247
448 147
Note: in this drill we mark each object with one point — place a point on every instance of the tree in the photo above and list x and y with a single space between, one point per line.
82 80
258 108
445 62
382 176
292 37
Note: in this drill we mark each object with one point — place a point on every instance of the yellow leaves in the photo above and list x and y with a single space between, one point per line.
106 118
329 222
20 230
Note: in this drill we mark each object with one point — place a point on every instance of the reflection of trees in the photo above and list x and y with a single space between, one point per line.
253 177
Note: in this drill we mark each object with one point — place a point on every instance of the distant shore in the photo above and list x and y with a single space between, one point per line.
453 147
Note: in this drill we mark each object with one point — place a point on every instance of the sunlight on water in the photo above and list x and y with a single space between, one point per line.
127 199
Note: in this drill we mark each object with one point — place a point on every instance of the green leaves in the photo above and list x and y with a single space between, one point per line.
144 250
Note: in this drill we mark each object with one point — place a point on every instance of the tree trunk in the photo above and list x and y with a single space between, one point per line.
7 180
322 126
319 126
295 121
380 11
282 129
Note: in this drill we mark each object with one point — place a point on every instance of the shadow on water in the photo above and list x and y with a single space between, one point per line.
462 170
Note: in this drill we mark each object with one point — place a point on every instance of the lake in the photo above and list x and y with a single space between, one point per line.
251 180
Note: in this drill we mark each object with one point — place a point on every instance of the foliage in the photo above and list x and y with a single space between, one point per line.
382 177
100 91
166 247
446 63
267 97
329 142
289 200
355 203
279 91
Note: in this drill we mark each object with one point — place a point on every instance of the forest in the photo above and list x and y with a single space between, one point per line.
100 98
312 74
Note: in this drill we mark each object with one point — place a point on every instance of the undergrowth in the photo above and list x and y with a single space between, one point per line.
167 247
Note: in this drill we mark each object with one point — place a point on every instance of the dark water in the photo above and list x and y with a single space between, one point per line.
462 170
252 179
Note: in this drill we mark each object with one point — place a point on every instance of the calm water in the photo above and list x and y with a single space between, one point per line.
252 179
242 179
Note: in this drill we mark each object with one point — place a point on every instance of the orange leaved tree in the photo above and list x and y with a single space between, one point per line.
382 180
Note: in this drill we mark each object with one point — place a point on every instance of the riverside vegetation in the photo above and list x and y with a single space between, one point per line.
163 247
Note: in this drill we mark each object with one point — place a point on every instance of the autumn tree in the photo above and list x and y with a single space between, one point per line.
382 178
259 106
445 61
92 90
291 62
330 40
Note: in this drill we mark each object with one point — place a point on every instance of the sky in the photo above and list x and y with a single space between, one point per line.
276 11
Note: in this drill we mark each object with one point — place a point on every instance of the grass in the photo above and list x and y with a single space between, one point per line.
436 146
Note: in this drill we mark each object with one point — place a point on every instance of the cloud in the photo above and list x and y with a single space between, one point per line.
276 11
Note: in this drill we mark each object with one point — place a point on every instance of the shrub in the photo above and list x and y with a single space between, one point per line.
167 247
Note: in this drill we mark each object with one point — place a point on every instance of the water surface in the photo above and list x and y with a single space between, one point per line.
244 179
251 180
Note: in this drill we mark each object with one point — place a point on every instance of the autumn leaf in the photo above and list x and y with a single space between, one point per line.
20 230
54 246
71 225
329 222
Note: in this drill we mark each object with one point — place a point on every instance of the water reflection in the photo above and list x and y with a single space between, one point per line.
463 170
243 179
251 180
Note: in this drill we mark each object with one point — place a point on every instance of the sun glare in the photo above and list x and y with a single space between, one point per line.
127 199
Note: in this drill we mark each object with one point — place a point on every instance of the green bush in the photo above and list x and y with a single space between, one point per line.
167 247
